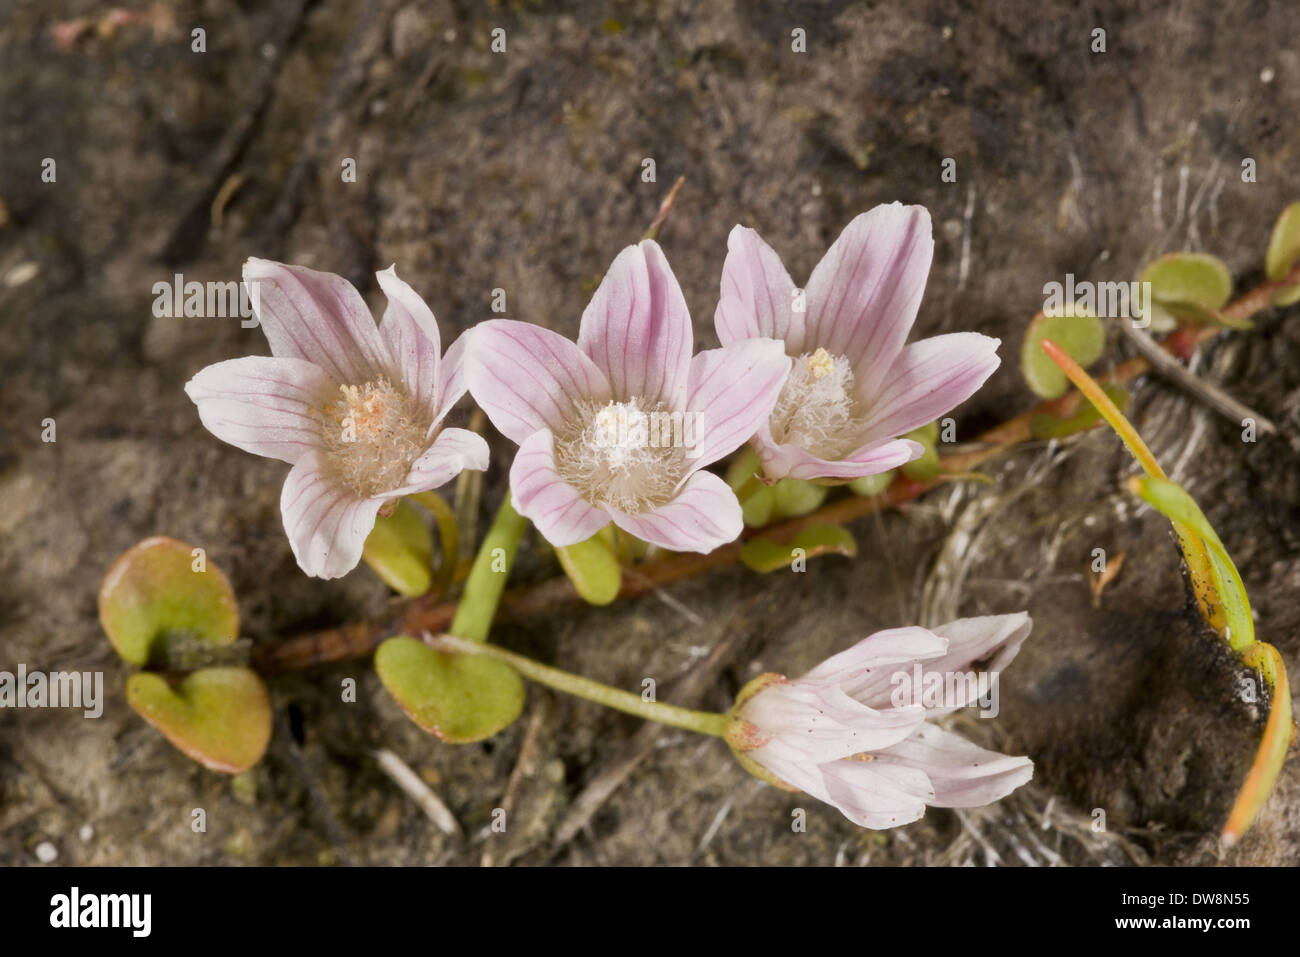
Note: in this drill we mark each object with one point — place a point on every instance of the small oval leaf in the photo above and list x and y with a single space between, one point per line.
764 555
757 508
162 587
870 485
220 717
1046 426
1195 279
400 550
593 568
927 466
793 498
459 698
1283 244
1081 335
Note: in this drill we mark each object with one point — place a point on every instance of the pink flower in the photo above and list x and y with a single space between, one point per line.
620 426
354 408
855 385
837 733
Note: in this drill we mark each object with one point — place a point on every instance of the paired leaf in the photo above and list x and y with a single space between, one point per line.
593 568
1078 333
765 555
220 717
400 550
162 588
794 498
1283 252
459 698
870 485
765 504
1187 285
927 466
628 549
1047 426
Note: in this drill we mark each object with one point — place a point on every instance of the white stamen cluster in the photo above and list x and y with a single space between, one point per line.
372 436
611 456
817 410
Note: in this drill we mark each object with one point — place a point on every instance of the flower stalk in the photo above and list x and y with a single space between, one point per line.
487 576
448 537
704 722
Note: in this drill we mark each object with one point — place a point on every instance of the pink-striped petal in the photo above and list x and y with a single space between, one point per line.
732 391
637 329
327 525
961 773
452 371
989 642
452 452
814 722
704 515
789 461
757 296
863 296
876 794
527 378
553 505
929 379
872 656
263 405
410 332
316 316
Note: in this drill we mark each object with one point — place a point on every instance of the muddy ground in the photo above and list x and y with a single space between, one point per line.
522 171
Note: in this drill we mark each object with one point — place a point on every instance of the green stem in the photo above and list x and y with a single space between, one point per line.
749 487
705 722
487 577
448 537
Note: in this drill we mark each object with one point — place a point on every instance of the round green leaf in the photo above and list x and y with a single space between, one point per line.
220 717
1283 251
927 466
870 485
792 498
400 550
459 698
161 588
758 508
1081 335
1284 243
1196 279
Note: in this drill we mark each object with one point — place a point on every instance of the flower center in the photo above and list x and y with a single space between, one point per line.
372 436
817 410
623 455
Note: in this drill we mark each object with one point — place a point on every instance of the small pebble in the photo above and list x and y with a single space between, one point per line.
22 273
86 832
46 852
